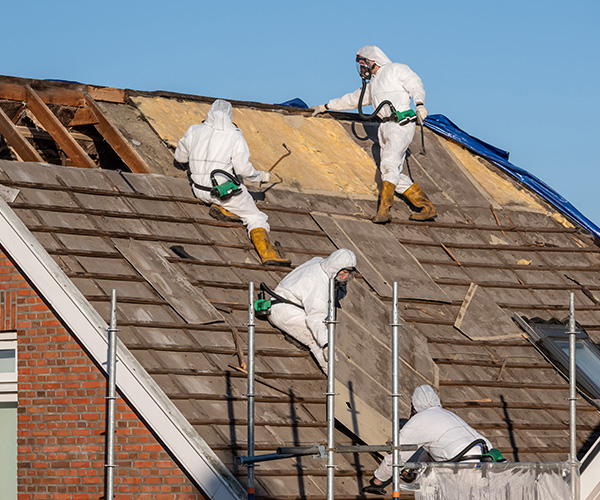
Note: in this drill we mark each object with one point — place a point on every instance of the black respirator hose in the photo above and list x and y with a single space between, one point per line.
374 113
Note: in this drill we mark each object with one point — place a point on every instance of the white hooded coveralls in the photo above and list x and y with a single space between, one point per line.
441 433
396 83
308 286
219 144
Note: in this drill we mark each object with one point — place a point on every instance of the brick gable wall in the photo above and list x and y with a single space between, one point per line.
61 414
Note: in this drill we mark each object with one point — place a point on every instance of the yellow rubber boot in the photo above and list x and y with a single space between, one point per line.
219 213
268 256
386 200
418 199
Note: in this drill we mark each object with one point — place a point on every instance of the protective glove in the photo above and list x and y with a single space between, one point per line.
266 176
317 110
421 113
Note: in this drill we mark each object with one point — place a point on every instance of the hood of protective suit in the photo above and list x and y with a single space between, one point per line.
220 116
338 260
374 53
425 397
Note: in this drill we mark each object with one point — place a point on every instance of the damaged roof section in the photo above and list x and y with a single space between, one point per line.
495 250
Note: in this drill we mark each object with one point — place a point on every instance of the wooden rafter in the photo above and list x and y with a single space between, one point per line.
81 97
14 137
56 129
116 139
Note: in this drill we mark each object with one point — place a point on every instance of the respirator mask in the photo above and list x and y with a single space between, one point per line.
364 68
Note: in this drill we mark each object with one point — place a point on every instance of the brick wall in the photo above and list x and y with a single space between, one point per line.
61 415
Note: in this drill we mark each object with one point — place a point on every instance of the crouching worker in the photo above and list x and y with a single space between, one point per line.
219 159
444 436
302 300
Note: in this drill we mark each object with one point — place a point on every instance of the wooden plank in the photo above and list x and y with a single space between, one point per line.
56 129
106 94
48 95
83 116
170 284
12 92
480 317
21 145
382 259
116 139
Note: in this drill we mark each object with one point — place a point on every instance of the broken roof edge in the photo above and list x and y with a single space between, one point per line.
337 115
175 432
444 126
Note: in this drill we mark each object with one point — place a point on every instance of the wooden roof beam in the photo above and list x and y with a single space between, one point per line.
56 93
49 95
116 139
14 137
56 129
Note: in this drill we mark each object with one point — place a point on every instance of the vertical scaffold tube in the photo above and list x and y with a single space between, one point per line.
331 390
395 394
572 398
112 383
250 395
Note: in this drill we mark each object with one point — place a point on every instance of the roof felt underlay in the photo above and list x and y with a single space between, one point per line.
496 235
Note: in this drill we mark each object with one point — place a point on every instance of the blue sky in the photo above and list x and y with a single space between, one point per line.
521 75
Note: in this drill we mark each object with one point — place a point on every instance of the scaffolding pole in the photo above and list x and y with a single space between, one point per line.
572 398
250 395
330 321
395 393
110 414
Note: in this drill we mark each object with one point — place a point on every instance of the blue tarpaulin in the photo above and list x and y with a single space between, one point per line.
295 103
442 125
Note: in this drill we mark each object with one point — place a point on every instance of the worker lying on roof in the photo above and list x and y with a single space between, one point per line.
302 300
444 436
389 89
219 159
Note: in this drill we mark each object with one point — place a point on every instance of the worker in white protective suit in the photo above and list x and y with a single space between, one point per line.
442 434
306 292
218 145
395 83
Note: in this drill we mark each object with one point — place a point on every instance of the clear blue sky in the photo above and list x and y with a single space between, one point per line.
521 75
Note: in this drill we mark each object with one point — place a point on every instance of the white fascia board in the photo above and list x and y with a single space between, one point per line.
589 484
148 399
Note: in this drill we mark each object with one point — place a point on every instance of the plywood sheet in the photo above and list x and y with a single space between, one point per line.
173 286
364 366
381 258
480 318
142 138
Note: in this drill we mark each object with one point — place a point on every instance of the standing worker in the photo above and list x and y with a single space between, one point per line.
389 87
305 293
443 435
217 154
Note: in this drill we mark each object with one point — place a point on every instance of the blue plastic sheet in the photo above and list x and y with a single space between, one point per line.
295 103
443 126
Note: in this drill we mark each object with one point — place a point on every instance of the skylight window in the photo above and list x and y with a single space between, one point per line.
552 340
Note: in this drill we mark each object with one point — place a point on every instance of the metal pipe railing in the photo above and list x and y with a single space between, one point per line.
250 395
356 448
395 391
573 398
331 321
320 451
112 383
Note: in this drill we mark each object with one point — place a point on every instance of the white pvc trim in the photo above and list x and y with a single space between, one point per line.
590 478
76 313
